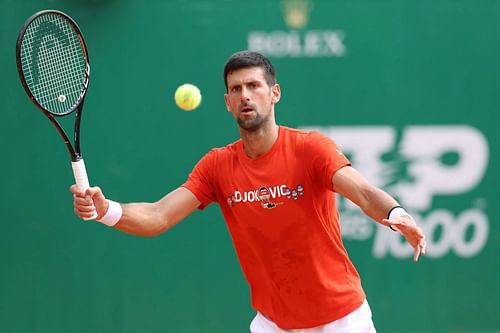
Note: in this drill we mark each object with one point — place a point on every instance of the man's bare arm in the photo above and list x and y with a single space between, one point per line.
376 204
142 219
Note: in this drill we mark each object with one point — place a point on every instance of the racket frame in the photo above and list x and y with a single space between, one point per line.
74 151
77 162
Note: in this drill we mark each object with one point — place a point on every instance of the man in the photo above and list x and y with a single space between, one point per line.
276 189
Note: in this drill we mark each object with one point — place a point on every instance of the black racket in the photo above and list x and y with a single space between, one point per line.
53 64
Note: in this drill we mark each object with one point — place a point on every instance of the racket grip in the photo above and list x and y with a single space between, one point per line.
82 180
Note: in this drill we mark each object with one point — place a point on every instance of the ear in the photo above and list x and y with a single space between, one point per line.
226 100
275 93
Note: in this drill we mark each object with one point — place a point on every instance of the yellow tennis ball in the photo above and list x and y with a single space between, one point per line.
188 97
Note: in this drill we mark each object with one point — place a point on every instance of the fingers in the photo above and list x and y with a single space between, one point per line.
87 202
83 203
92 193
75 189
417 252
423 245
85 215
413 234
420 247
391 223
79 192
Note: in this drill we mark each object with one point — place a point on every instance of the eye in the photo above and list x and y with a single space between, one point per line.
235 89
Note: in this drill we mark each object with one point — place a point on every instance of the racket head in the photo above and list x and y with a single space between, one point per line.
52 62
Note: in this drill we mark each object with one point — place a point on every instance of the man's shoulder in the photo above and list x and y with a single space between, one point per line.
295 131
300 135
225 151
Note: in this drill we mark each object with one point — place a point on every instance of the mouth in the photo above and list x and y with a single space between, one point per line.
246 109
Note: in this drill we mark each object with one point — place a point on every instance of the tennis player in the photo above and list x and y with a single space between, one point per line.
276 189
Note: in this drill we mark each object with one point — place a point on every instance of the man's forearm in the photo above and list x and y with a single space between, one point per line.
142 219
377 203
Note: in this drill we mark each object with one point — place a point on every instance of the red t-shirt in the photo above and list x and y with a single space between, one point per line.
281 213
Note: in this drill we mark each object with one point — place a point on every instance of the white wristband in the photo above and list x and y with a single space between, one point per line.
113 215
397 212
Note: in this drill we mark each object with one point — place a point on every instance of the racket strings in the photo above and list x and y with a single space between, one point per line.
53 63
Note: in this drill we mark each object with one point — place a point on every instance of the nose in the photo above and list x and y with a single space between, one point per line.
244 96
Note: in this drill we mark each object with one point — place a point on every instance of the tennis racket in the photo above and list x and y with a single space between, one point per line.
53 65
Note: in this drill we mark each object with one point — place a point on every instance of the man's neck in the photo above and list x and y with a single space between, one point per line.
259 142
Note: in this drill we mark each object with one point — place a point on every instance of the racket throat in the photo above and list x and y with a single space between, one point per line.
76 133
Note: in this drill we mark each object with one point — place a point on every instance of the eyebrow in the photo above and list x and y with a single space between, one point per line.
252 81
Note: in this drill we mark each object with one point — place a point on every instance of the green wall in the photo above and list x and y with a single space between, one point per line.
409 89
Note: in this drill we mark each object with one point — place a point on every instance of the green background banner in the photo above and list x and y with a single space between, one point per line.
409 89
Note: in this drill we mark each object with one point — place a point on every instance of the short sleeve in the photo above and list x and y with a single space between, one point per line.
201 180
325 158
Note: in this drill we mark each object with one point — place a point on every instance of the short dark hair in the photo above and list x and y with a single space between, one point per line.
246 59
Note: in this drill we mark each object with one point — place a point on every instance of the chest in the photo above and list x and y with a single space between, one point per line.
265 184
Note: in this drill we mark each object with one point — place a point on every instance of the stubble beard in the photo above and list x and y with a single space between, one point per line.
253 124
258 122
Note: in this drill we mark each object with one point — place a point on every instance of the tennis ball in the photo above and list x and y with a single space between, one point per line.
187 97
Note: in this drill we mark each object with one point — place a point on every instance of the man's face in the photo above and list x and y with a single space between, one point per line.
250 99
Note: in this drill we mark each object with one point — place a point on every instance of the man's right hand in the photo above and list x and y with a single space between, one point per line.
86 202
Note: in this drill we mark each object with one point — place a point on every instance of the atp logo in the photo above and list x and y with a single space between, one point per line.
429 170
